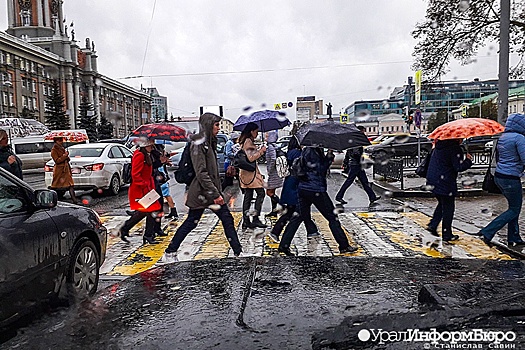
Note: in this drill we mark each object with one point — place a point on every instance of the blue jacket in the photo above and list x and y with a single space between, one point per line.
446 162
289 194
511 147
317 166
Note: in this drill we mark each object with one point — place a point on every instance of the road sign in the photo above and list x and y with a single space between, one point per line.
417 118
343 118
276 106
417 79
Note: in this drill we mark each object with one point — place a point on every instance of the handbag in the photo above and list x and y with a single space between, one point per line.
231 171
241 161
422 168
489 185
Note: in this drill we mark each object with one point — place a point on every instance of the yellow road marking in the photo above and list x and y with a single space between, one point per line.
216 244
324 229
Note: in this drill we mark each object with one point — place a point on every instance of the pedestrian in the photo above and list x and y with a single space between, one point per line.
290 198
166 193
352 162
510 158
158 159
142 183
274 181
251 181
446 162
62 176
312 190
204 190
8 160
230 149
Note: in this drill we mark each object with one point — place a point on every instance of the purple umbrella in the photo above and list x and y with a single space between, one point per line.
266 120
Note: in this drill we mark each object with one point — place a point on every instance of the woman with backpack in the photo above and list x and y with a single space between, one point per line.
274 180
251 181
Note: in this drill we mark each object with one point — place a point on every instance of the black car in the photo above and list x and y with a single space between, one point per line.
399 146
49 251
477 144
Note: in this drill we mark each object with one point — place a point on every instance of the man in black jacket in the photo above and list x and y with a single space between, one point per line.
8 160
353 163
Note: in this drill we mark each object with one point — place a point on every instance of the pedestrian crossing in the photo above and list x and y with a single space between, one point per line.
376 234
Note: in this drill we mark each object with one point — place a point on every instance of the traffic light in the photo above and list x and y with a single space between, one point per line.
410 119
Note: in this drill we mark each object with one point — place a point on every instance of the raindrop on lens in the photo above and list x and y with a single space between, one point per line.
388 194
214 207
247 108
469 183
339 210
199 141
464 5
427 188
434 24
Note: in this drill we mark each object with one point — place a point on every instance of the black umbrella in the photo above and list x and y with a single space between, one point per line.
332 135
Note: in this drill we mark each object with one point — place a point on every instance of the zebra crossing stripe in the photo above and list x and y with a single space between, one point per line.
328 238
216 244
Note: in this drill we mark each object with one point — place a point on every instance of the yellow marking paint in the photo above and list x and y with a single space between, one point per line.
216 244
115 239
324 229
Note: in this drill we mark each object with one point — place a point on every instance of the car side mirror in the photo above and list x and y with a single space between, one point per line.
45 199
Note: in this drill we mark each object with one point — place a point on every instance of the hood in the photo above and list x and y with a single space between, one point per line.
272 136
515 123
440 144
206 122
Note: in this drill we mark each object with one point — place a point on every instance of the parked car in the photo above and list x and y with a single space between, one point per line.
48 249
95 166
399 146
478 143
383 137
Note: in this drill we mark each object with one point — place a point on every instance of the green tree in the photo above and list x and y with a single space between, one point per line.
88 119
489 110
55 115
104 128
459 29
436 120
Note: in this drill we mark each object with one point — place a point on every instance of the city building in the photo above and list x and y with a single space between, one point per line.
307 108
159 105
37 49
516 102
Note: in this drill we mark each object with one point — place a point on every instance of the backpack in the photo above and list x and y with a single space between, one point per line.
185 173
281 164
422 168
298 168
126 173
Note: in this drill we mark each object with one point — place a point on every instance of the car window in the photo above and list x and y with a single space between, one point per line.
126 152
114 152
37 147
11 197
85 152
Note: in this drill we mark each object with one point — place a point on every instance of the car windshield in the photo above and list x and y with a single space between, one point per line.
85 152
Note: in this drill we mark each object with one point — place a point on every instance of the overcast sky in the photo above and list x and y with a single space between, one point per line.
239 53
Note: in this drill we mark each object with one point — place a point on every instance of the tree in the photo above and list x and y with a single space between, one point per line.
489 110
55 115
88 119
458 30
104 129
436 120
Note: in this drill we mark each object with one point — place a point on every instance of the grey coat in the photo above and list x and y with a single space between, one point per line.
206 185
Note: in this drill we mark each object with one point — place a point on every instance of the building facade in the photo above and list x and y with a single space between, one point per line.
37 49
159 105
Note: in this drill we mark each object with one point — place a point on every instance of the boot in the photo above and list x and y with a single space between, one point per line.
173 214
246 223
275 200
72 194
257 223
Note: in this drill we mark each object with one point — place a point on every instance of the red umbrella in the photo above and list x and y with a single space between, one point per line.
465 128
160 131
68 135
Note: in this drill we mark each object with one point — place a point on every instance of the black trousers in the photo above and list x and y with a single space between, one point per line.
291 212
136 218
444 213
356 171
192 220
247 201
324 204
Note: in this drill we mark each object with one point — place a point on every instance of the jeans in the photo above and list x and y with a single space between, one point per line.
136 218
356 171
511 189
444 212
324 204
192 220
291 212
247 201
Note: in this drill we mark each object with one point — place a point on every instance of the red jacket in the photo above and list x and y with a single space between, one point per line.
141 183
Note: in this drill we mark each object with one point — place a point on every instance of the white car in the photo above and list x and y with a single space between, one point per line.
95 166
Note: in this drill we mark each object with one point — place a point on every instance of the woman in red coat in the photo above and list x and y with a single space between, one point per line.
141 184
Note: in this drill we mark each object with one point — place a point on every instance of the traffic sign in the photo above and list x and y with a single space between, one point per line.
417 118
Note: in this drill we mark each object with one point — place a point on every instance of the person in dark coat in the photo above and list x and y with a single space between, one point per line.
312 190
446 162
205 189
290 197
142 183
8 160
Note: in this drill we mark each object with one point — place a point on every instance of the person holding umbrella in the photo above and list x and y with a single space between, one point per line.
274 181
251 181
62 176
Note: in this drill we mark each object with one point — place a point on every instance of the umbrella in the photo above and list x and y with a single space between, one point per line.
332 135
465 128
266 120
160 131
68 135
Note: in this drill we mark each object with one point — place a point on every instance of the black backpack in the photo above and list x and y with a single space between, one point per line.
126 173
185 173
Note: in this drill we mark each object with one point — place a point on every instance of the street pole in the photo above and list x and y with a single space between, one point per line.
503 79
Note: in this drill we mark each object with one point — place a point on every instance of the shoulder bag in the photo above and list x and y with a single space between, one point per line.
489 185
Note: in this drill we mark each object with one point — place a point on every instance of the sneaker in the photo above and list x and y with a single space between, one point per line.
341 200
256 223
517 244
487 241
243 255
271 214
273 237
169 258
285 251
375 199
348 249
313 234
452 238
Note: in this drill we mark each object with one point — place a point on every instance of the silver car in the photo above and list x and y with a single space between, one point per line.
95 166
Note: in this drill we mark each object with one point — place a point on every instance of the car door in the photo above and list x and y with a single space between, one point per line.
29 249
116 160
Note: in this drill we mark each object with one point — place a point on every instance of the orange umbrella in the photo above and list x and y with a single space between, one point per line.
68 135
465 128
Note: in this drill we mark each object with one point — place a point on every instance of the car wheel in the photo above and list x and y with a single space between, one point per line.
114 185
83 270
